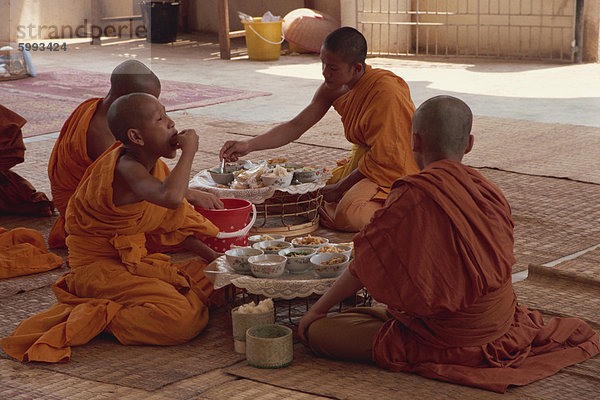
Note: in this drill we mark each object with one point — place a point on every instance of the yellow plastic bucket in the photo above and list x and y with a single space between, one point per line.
263 39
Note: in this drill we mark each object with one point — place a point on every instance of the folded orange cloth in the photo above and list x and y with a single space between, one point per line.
68 162
440 255
23 252
12 148
115 285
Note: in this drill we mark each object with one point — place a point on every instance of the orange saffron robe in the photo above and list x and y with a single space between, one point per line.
11 139
23 252
67 164
114 284
377 118
440 256
17 194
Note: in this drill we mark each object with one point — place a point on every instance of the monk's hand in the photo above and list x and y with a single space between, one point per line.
212 257
187 140
232 150
203 199
331 193
305 322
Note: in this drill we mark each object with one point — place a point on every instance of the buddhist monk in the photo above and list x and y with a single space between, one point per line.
376 110
85 135
17 195
439 255
115 285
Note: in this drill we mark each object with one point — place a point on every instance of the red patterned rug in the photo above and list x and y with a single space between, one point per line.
47 100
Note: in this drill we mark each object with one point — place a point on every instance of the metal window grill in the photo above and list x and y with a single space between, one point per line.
526 29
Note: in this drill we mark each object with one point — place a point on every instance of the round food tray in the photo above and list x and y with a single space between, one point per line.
291 210
287 286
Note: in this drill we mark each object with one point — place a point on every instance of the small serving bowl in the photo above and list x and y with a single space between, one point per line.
305 175
297 264
237 258
265 236
272 246
328 270
298 242
282 181
335 248
233 166
219 178
267 265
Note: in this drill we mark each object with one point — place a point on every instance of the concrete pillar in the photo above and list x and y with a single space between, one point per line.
4 22
348 13
591 31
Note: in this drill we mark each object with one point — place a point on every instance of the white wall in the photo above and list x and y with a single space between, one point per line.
204 14
43 19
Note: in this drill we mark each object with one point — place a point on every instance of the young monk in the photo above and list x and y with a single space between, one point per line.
376 110
86 135
439 255
115 285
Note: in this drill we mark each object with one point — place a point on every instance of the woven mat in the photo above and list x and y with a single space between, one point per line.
22 381
250 390
554 217
144 367
586 266
20 284
561 293
558 150
344 380
47 100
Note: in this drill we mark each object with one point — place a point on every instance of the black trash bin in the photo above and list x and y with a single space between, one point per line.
161 19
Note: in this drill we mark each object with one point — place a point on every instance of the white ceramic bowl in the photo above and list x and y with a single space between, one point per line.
328 270
237 258
267 265
335 248
300 242
306 175
272 246
281 181
297 264
265 236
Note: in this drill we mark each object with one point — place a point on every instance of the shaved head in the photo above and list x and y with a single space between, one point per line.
444 124
349 43
132 76
129 112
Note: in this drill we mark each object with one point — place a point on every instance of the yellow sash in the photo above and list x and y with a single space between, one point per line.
342 171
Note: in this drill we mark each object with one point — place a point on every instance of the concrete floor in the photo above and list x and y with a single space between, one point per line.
542 92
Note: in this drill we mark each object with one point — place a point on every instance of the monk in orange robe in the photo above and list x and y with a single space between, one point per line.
17 195
439 255
115 284
85 136
376 110
23 251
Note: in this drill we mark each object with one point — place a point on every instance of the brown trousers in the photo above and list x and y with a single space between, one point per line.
348 335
